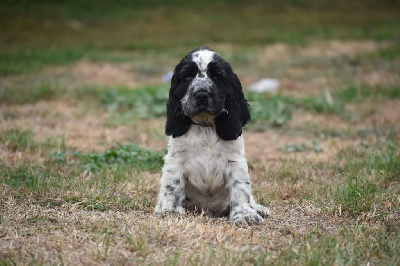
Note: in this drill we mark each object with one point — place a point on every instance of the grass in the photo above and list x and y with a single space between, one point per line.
346 247
28 60
61 33
54 187
354 93
129 193
390 54
386 163
18 140
142 103
382 162
355 196
365 181
132 155
125 104
22 95
276 109
47 184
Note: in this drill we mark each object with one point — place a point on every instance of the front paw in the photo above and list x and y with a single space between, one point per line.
261 210
242 217
178 211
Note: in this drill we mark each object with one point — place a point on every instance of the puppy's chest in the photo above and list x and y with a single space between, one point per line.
205 160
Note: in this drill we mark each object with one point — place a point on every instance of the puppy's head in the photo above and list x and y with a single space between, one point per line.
204 90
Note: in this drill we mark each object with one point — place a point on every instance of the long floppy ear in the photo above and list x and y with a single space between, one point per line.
229 124
177 123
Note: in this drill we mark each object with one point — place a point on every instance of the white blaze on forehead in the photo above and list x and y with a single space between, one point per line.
202 58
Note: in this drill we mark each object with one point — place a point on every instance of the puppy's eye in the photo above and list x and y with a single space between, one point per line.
187 77
218 74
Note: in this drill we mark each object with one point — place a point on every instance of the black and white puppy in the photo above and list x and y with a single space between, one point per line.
205 168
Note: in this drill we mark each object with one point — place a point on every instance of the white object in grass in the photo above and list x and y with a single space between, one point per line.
264 85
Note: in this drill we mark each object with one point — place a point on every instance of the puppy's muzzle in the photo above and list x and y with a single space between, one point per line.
202 97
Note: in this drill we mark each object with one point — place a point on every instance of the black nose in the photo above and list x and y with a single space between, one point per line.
201 97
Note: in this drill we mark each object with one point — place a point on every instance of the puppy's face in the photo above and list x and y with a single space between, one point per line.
205 90
202 75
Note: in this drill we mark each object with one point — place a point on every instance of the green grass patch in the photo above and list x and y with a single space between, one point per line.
354 94
53 186
355 196
30 93
391 53
276 109
95 181
25 60
23 141
26 177
123 155
386 163
36 35
303 147
357 245
125 104
18 140
381 161
367 173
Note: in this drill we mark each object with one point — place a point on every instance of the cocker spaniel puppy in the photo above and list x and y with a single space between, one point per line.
205 168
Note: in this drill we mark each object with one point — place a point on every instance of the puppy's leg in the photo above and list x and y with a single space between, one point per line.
171 197
243 208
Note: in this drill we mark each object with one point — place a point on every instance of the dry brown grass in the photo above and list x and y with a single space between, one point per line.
72 235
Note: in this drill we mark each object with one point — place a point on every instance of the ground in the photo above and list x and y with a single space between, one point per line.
82 140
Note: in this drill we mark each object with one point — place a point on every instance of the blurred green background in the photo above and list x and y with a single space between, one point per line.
40 33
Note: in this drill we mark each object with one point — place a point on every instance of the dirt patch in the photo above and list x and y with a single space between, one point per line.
327 121
106 74
379 78
387 113
314 87
276 51
270 146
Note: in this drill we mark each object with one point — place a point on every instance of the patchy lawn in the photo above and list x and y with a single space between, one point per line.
82 139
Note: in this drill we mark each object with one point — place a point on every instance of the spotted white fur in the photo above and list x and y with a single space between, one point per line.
204 172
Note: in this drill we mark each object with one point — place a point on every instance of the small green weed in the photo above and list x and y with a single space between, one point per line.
146 102
59 157
275 110
302 147
18 140
386 163
21 177
131 155
354 196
